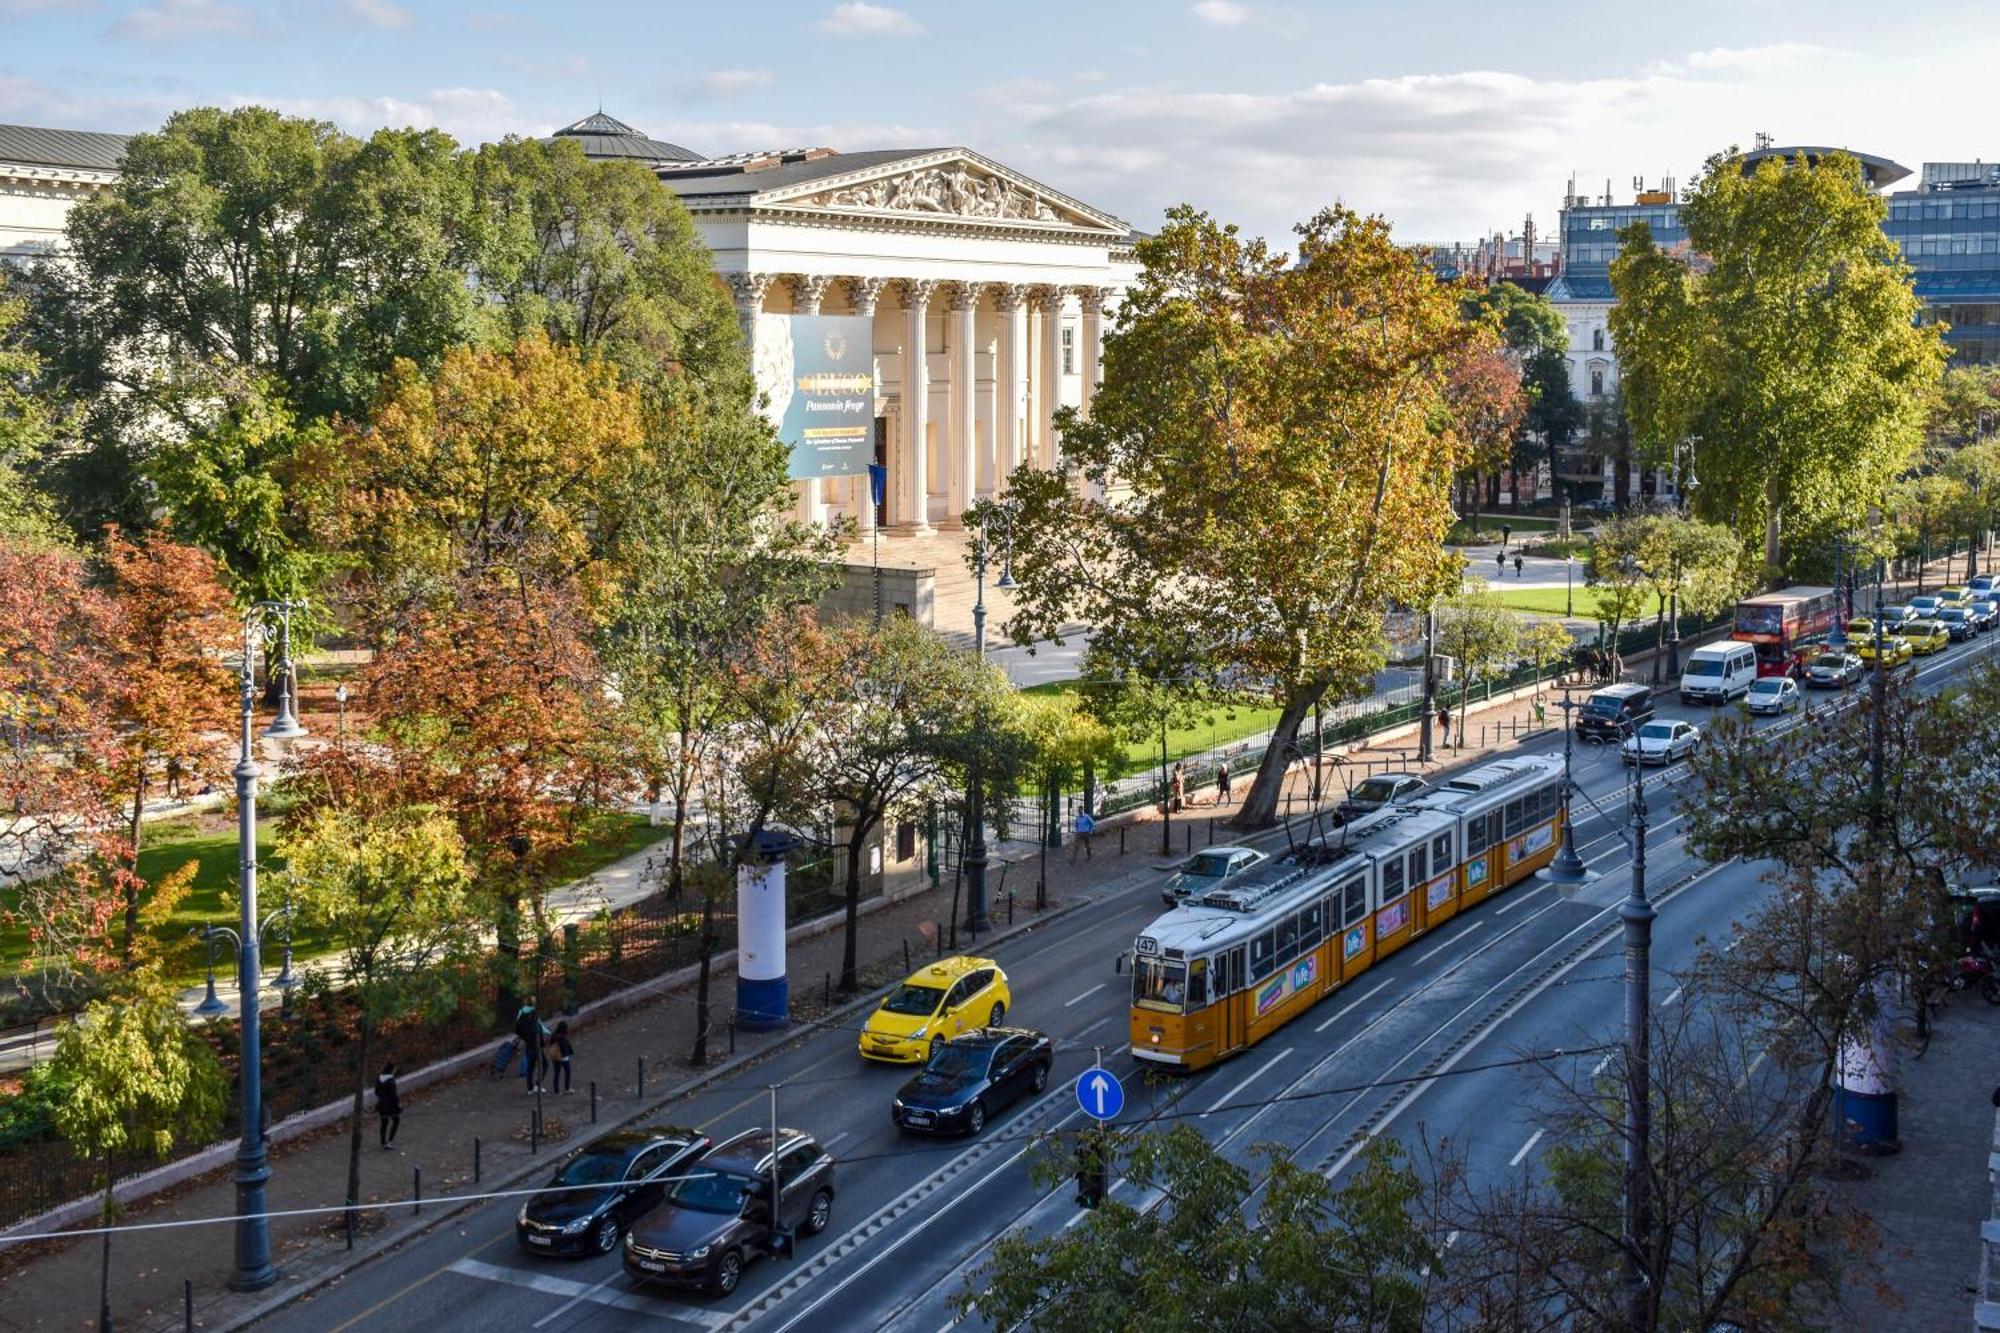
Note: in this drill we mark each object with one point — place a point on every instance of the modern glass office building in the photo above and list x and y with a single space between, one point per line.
1949 228
1590 241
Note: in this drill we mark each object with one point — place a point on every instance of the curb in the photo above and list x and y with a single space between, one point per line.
385 1241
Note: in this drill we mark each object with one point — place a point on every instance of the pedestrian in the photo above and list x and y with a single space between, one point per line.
1617 665
1222 784
388 1104
565 1077
1517 567
1085 826
528 1029
1541 714
1444 723
1500 559
1506 534
1179 789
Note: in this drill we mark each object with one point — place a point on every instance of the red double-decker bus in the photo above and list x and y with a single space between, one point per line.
1787 626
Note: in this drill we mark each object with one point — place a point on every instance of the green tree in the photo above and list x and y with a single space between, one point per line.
139 1081
1685 563
1966 410
1545 641
1280 438
1308 1256
1479 634
390 891
26 516
1138 705
1537 340
1613 570
1790 354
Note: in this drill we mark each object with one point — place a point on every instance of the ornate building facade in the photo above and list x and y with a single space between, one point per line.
44 172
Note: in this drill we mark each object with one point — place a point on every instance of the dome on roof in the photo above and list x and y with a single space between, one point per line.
605 137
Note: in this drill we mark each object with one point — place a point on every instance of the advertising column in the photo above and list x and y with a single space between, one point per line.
763 995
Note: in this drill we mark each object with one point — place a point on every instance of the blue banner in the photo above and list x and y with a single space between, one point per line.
819 374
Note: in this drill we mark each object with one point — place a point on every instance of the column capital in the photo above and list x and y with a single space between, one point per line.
1049 299
1093 299
965 295
749 288
1007 296
808 290
865 292
917 292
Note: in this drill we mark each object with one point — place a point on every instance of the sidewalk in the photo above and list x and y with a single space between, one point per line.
54 1284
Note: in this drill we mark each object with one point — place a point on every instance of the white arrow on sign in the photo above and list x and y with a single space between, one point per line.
1098 1085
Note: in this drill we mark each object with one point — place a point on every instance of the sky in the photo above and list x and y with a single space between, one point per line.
1451 119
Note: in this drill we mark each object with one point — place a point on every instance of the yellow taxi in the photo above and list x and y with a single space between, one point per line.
1924 636
933 1005
1861 641
1954 596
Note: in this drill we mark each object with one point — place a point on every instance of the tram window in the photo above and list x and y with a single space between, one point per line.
1417 866
1197 986
1309 927
1514 816
1475 836
1158 983
1441 851
1392 879
1356 905
1263 956
1288 937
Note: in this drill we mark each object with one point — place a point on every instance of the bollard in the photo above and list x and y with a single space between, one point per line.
593 1089
1211 830
826 990
416 1189
187 1304
477 1146
1121 840
937 934
732 1034
642 1078
534 1131
1010 909
1119 965
1190 839
906 955
348 1222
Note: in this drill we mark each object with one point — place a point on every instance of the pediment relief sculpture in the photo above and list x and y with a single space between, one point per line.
950 191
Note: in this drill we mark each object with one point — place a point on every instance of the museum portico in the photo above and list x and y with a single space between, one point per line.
979 295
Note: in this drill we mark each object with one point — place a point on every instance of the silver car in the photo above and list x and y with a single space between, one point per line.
1833 671
1206 869
1661 743
1772 694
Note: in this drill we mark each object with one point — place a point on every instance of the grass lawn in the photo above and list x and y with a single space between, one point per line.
1487 528
1220 726
1547 601
210 842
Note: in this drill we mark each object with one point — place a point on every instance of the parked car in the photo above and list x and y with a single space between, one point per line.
1833 671
1661 743
1985 612
719 1218
1958 622
1206 869
603 1188
1379 792
1613 711
970 1077
1772 694
936 1003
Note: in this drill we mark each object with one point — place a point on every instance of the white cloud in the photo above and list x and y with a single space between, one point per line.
470 115
27 102
177 20
858 19
25 7
380 13
720 83
1758 59
1222 13
717 137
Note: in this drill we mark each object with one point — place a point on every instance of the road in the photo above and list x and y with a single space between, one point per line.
1534 970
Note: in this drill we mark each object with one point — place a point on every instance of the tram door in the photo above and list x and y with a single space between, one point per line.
1228 981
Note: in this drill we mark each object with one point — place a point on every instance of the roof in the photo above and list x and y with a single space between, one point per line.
948 969
62 148
607 137
735 175
1877 171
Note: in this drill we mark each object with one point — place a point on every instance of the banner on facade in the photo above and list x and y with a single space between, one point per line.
817 373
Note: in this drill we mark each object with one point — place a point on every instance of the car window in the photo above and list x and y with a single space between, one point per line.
1010 1050
646 1163
593 1168
978 982
795 1161
1657 731
712 1191
1704 666
1375 789
1767 686
913 1000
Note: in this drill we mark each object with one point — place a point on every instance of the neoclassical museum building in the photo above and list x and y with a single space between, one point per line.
925 309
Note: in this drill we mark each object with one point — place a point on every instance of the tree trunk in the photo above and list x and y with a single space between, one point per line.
1659 638
1260 803
104 1268
677 851
131 890
363 1032
1772 528
699 1056
849 970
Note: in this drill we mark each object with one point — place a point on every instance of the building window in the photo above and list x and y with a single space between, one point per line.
1596 381
1069 349
1597 340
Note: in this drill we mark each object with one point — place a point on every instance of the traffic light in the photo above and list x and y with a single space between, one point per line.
1091 1173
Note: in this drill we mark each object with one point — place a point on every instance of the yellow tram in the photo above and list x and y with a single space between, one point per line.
1223 971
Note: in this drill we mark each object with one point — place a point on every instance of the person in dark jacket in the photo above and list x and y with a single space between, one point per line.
388 1104
528 1029
565 1080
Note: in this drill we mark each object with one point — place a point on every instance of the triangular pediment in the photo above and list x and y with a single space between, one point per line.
953 185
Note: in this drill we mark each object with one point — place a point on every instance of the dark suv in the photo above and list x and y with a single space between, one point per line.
1614 712
601 1189
718 1217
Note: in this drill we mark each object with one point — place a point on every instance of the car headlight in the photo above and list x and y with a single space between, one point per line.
920 1032
699 1252
522 1216
576 1224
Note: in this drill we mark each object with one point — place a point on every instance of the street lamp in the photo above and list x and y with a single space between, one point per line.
1568 868
286 725
1569 584
975 795
1684 482
254 1267
340 699
1637 914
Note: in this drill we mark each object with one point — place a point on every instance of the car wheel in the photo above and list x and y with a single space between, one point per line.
819 1214
728 1272
975 1119
605 1239
999 1012
1039 1079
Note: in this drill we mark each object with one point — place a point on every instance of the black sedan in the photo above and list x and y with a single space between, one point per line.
603 1188
969 1078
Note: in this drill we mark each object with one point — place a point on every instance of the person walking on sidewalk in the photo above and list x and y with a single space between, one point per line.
1617 666
1500 559
1517 567
1444 724
1222 784
388 1104
565 1077
528 1029
1179 794
1085 826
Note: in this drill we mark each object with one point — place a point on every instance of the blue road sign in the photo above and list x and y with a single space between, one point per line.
1100 1094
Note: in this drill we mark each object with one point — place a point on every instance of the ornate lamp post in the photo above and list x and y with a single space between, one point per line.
975 795
1568 868
1684 482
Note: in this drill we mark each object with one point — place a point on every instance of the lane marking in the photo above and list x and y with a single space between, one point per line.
1355 1003
1248 1079
1671 998
1523 1151
1600 1066
1442 945
1086 995
587 1294
1517 899
548 1284
844 1134
1081 1213
1094 1026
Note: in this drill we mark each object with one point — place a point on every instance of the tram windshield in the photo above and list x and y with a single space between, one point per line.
1158 984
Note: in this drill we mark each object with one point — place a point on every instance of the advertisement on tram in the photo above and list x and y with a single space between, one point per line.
1787 626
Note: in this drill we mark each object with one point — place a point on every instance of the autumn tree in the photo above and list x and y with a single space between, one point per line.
1266 468
1789 351
1481 636
1536 339
138 1081
389 890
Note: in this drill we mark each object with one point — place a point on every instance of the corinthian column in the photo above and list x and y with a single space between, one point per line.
1049 304
748 289
1093 336
964 467
1010 388
865 292
915 491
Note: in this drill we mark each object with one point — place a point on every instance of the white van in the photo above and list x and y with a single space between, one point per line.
1719 672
